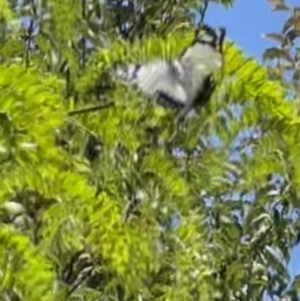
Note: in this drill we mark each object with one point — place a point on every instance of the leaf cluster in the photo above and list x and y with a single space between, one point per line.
116 204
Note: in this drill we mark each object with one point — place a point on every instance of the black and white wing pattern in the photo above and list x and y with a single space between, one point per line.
185 81
199 62
158 79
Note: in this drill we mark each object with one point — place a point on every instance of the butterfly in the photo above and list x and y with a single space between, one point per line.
187 81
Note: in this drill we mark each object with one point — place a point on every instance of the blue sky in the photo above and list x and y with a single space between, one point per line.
245 24
247 21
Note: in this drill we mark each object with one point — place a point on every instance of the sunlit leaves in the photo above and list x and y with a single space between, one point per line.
19 262
211 222
279 5
33 108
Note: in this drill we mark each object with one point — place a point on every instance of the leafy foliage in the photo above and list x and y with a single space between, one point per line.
117 203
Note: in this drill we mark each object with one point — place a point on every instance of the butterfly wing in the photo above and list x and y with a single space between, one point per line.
200 60
156 79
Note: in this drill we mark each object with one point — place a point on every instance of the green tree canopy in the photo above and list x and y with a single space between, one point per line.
117 205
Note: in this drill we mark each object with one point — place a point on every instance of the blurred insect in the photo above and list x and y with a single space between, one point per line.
186 82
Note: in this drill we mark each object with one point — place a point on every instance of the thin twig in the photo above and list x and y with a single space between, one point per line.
29 37
203 12
79 281
83 40
91 109
30 31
